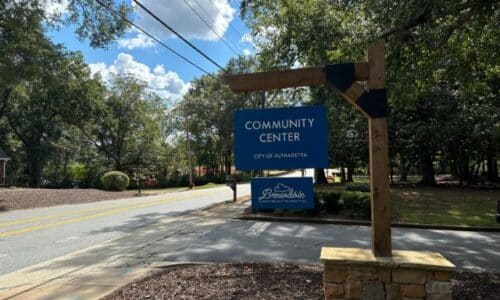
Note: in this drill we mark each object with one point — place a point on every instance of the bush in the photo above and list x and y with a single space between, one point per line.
318 203
331 202
356 204
326 202
200 180
243 177
357 187
115 181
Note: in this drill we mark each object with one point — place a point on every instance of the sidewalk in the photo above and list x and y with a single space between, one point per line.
212 236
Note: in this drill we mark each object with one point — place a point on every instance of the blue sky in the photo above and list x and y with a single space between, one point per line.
165 73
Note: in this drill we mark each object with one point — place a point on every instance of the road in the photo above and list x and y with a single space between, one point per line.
106 244
31 236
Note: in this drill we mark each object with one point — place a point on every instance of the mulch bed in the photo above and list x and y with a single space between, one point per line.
268 281
29 198
468 285
229 281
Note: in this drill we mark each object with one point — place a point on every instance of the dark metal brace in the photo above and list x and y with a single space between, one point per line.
341 76
373 103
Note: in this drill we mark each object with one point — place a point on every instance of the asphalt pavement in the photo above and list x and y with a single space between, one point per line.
31 236
90 249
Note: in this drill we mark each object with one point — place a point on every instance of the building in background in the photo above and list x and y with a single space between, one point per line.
3 162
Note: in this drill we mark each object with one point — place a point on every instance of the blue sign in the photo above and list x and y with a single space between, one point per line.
281 138
287 192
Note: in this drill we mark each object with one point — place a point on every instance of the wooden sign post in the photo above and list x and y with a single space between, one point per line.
372 103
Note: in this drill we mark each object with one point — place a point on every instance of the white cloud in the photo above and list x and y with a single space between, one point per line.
166 84
246 52
139 41
177 14
54 8
246 38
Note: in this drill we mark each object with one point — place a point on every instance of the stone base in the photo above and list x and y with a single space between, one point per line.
353 273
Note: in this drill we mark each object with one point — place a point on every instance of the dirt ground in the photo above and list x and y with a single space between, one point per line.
268 281
21 198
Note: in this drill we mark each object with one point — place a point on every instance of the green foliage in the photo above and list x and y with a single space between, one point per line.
357 187
331 202
115 181
90 19
47 89
243 177
442 73
127 125
356 204
204 116
326 201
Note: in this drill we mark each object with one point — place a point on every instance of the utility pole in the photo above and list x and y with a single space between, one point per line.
188 146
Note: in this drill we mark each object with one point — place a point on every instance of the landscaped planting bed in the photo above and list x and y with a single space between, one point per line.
268 281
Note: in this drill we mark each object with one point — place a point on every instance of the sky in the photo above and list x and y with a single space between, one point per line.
137 55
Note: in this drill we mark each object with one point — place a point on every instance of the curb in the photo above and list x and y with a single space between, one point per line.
364 223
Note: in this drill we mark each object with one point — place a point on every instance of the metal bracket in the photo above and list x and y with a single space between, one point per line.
374 103
341 76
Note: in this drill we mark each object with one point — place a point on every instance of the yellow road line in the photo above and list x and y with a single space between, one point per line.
67 213
89 217
47 217
28 220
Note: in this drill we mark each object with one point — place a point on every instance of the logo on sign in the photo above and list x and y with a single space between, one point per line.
281 191
288 193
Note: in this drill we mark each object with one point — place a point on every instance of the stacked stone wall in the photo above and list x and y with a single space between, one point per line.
343 281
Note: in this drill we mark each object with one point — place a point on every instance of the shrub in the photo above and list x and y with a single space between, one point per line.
115 181
318 202
200 180
357 187
356 204
243 177
331 201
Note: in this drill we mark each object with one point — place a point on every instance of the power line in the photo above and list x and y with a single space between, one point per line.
114 12
230 25
212 19
211 28
178 34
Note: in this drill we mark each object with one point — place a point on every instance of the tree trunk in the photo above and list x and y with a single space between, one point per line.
492 169
403 169
464 169
342 174
228 162
428 171
320 176
34 170
350 172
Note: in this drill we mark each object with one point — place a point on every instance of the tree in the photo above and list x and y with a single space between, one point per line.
126 127
91 19
59 94
436 50
206 112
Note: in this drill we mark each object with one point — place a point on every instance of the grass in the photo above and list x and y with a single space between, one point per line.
441 205
445 206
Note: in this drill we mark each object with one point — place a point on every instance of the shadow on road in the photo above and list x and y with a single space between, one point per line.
199 236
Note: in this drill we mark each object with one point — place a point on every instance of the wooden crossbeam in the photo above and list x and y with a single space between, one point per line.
273 80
